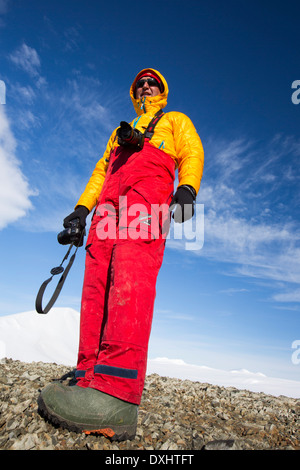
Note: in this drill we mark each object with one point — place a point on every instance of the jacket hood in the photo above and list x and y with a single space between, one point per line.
149 103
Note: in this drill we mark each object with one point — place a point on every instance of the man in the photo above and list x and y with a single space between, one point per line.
122 264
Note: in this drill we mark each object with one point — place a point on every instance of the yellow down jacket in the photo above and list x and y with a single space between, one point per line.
175 134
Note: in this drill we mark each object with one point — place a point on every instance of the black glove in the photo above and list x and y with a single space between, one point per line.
81 213
184 199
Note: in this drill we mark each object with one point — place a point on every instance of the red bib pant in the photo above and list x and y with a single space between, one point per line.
125 250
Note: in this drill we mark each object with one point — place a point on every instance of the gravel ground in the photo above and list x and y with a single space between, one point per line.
174 415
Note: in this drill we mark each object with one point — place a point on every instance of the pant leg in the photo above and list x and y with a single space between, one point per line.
97 276
93 303
122 360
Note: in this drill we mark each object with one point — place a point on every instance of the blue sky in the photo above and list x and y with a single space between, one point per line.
67 67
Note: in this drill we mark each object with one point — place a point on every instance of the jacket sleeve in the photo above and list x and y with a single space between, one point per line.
189 150
92 191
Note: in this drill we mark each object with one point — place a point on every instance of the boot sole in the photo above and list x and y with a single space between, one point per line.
113 432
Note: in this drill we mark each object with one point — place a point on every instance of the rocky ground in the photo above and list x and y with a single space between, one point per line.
175 415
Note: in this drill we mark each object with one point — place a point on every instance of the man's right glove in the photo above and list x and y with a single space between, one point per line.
184 200
81 213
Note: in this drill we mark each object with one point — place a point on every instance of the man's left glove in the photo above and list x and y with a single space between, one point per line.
184 199
81 213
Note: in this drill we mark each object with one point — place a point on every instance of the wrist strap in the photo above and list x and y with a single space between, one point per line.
54 271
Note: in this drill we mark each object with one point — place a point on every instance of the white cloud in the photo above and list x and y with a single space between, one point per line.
72 38
25 93
27 120
242 218
169 314
250 210
233 291
65 131
245 239
293 296
14 188
27 59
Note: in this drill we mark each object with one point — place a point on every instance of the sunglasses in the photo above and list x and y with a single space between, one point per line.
151 82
